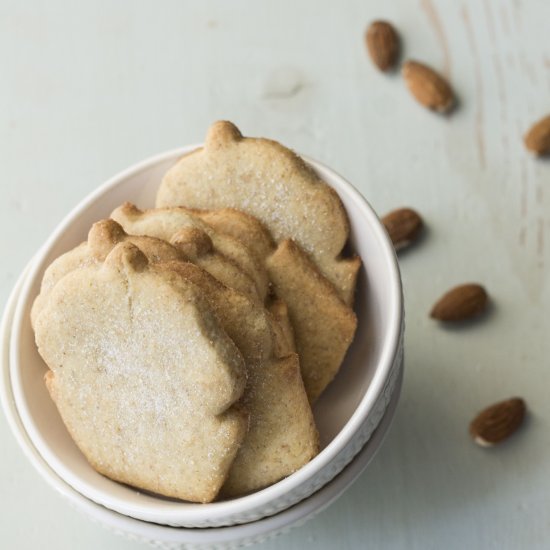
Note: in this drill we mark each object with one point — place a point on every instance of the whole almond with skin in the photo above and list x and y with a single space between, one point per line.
403 225
382 44
461 303
498 422
537 138
428 87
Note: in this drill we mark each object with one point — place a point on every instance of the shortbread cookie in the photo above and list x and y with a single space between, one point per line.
263 340
321 341
323 325
143 375
282 436
268 181
102 238
219 253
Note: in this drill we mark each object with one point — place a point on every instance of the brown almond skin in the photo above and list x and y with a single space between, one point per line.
461 303
382 43
498 422
404 226
428 87
537 139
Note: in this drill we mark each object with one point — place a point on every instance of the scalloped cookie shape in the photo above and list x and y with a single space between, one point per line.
143 376
266 180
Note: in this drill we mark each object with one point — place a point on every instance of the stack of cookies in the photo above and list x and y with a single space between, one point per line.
187 343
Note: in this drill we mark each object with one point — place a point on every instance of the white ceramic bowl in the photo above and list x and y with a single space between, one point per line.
172 538
346 414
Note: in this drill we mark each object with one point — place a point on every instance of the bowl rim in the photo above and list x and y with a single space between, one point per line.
165 511
251 532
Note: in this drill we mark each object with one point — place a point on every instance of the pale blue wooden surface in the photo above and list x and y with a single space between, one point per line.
89 88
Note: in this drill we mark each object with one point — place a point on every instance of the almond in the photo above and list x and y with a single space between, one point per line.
537 138
382 44
460 303
403 225
428 87
498 422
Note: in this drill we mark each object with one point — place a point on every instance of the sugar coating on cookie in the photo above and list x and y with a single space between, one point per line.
143 375
265 179
282 435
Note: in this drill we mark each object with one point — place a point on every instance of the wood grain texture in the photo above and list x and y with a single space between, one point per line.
89 88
